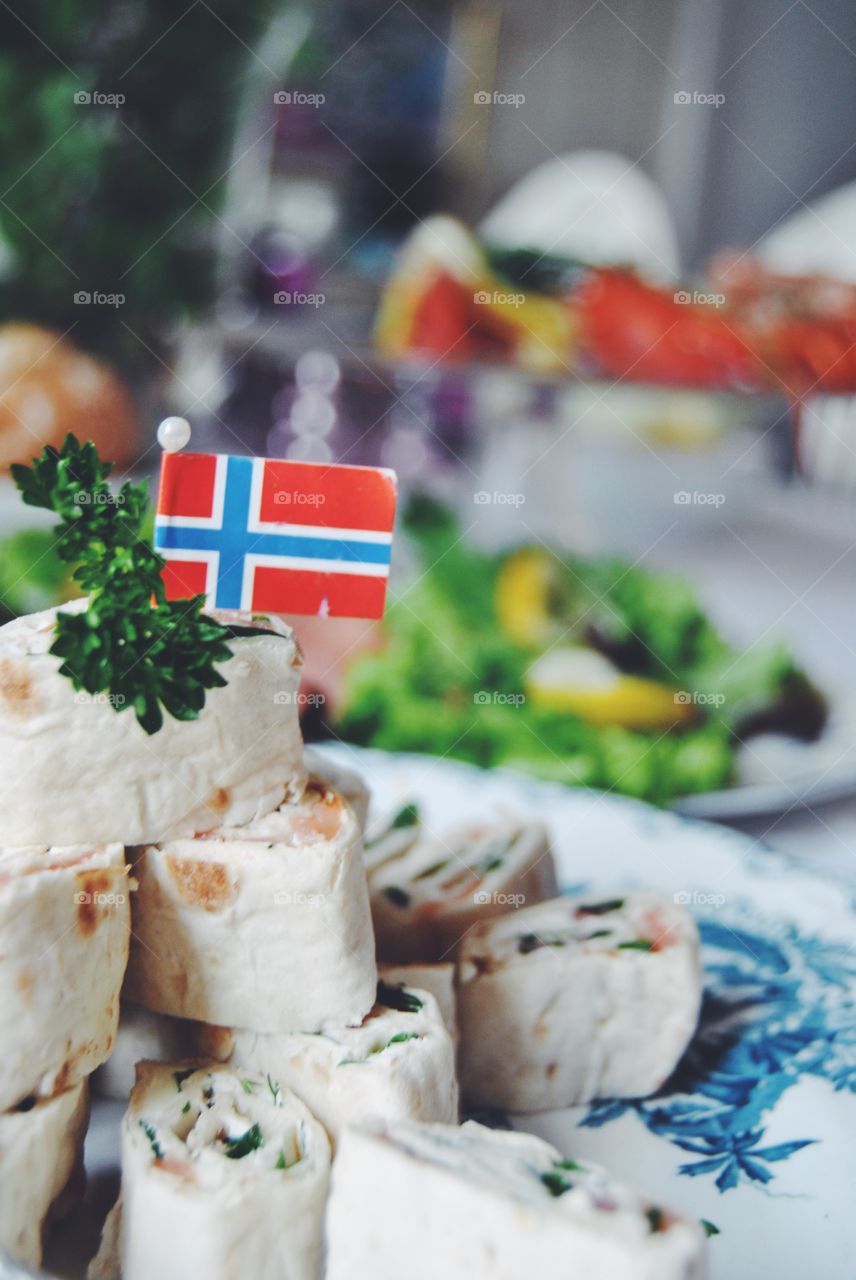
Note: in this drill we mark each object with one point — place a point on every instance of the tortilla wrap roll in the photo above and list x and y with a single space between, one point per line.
576 999
224 1175
470 1203
399 1063
265 926
338 777
64 927
109 780
41 1145
426 898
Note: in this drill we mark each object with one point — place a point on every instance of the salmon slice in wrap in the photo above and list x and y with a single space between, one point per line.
349 783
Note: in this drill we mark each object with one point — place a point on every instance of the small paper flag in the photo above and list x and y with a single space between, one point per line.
267 535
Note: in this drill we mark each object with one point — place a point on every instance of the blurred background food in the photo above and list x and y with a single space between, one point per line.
584 275
584 670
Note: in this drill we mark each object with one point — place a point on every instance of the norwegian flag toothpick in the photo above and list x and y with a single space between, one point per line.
275 536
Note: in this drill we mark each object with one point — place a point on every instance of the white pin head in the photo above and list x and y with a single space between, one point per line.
173 434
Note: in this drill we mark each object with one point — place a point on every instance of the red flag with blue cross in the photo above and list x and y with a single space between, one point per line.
273 536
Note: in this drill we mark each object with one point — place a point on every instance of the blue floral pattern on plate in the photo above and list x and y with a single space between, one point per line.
778 1004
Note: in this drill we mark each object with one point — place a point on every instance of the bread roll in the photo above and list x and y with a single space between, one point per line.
49 388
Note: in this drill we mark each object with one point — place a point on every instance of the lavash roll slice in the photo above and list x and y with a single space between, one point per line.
224 1175
265 926
576 999
472 1203
75 770
64 928
399 1063
425 901
335 776
41 1146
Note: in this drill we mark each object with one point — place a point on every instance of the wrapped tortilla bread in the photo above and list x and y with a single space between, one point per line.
40 1147
576 999
338 777
439 979
427 897
223 1176
471 1203
399 1063
106 779
265 926
64 925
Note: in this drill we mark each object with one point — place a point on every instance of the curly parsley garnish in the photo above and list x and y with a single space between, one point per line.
131 643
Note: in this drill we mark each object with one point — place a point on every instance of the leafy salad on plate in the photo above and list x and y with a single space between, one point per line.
579 669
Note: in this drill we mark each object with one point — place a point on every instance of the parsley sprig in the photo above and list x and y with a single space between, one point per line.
131 643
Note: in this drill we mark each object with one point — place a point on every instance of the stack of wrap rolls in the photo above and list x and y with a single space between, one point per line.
252 967
253 949
79 781
64 926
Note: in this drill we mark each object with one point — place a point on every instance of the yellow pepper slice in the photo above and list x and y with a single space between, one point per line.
586 684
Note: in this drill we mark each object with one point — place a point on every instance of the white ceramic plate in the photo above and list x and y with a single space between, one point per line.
755 1131
776 773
